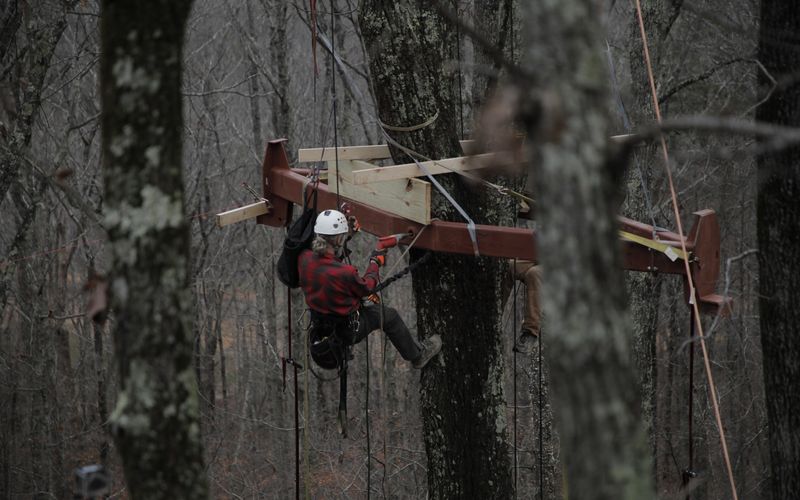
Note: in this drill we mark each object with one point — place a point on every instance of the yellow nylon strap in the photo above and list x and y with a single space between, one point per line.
671 252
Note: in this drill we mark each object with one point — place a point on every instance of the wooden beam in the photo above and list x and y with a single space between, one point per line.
242 213
408 198
372 174
621 137
375 152
284 188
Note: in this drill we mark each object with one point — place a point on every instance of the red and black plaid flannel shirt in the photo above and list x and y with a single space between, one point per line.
331 286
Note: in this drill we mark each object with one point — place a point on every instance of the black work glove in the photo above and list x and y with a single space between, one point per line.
378 256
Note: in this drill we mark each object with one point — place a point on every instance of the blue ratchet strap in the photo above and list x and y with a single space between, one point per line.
473 235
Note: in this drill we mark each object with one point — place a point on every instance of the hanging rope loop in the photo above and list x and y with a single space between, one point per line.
412 128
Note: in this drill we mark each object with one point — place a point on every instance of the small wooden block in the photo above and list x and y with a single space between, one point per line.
409 170
409 198
242 213
374 152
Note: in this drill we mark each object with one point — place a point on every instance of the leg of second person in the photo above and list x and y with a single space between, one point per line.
529 273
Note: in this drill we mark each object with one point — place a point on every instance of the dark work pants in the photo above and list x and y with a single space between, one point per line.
393 327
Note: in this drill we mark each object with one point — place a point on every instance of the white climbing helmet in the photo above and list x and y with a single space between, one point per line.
330 223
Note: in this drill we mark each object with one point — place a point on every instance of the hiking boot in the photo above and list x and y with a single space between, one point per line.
430 348
526 342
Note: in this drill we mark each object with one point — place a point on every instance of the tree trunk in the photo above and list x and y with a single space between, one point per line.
644 289
156 418
462 399
604 447
279 58
779 247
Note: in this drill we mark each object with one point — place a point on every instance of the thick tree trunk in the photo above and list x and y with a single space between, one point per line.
593 380
644 289
462 403
21 86
156 418
779 247
279 58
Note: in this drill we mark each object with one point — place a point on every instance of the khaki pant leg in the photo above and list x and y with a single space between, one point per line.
529 273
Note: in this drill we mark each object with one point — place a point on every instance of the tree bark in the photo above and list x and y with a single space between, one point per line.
462 399
279 58
644 289
578 186
21 89
779 247
156 418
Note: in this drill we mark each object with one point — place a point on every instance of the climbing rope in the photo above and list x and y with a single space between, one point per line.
307 418
333 99
541 415
693 299
388 281
505 191
514 368
689 473
411 128
291 360
366 410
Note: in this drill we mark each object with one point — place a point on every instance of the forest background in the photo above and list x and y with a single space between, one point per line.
248 77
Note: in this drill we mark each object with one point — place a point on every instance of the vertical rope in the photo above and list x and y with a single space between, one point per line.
366 411
333 91
541 424
514 367
692 293
307 418
689 472
296 406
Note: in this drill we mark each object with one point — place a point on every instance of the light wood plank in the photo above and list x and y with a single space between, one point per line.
242 213
468 145
621 137
374 152
409 198
374 174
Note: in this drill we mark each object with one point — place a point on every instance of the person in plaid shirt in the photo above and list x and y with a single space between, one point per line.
334 291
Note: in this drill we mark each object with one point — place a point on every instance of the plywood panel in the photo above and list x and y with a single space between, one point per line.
372 174
242 213
374 152
409 198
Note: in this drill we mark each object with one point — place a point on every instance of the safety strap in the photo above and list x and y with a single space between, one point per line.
671 252
470 223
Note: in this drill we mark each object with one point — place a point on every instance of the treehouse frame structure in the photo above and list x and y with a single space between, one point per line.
405 208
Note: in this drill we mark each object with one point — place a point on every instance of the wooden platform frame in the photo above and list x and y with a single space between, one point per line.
283 188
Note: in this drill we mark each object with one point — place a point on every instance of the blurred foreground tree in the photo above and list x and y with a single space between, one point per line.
156 419
578 180
779 244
